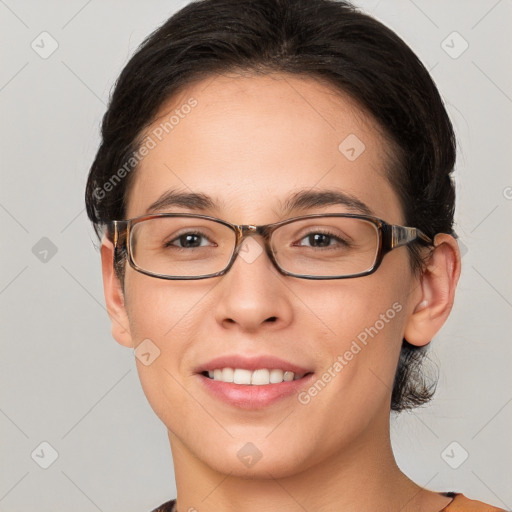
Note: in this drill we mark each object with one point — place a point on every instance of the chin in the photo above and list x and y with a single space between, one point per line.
276 465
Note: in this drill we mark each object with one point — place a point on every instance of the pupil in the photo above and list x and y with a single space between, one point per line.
318 238
189 238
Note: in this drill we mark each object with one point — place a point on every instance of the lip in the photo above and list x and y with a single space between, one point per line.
250 363
248 396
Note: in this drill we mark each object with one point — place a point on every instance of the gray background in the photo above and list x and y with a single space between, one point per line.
65 381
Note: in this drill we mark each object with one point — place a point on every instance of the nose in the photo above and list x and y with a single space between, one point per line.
253 294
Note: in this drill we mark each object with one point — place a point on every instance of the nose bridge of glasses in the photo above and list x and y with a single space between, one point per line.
246 230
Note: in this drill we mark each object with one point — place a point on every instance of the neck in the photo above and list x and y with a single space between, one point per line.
362 476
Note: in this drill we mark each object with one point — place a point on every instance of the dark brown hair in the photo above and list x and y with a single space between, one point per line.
325 39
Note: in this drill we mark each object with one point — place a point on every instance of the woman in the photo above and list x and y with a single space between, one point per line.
274 180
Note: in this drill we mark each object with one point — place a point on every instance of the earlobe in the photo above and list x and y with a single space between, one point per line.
437 282
114 297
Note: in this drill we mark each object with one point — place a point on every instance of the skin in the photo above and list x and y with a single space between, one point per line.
250 142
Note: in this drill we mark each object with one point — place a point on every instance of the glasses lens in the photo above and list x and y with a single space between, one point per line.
181 246
326 246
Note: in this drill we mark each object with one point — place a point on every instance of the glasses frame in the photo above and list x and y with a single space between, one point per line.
391 236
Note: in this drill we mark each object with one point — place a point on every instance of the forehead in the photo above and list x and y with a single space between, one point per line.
251 142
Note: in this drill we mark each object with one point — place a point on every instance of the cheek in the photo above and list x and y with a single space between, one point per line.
360 308
164 316
158 309
361 324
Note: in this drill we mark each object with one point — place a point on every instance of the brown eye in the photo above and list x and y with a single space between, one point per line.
323 239
188 240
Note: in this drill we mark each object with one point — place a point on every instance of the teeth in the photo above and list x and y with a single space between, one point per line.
276 376
242 376
228 374
259 377
288 376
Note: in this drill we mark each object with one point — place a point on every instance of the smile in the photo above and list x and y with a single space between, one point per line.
259 377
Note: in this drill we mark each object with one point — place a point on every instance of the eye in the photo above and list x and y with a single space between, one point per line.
188 240
319 239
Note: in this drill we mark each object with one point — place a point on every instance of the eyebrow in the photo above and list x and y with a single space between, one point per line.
309 199
191 200
298 201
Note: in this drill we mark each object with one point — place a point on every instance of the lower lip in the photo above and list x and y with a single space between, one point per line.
253 397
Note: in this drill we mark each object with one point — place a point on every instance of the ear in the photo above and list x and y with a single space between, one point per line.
114 297
436 291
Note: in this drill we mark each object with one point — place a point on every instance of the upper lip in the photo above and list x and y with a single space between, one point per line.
250 363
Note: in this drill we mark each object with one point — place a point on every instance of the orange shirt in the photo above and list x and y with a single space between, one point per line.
459 504
462 504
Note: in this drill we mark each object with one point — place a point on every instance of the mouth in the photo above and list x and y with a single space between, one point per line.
252 382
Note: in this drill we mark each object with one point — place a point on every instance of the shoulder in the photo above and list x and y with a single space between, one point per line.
462 503
168 506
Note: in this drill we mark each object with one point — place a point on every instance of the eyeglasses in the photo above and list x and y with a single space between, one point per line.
317 246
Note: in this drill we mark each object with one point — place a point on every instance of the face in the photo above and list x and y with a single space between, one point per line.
250 143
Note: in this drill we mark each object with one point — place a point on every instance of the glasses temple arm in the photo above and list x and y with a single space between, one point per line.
117 233
402 235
